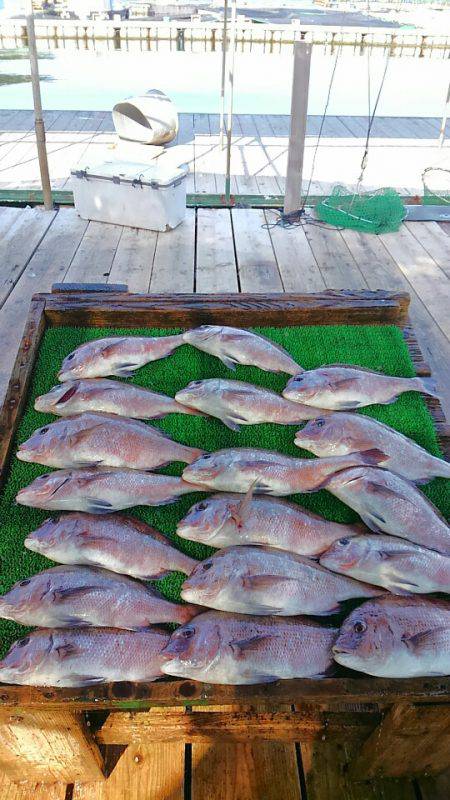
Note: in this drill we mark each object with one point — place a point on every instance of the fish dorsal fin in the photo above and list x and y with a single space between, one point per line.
358 368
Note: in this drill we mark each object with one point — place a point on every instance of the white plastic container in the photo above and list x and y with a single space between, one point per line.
151 196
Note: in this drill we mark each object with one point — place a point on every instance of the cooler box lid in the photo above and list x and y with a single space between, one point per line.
154 175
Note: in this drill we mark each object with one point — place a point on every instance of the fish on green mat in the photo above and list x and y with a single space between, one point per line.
379 348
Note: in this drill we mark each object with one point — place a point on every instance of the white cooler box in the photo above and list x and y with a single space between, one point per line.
151 196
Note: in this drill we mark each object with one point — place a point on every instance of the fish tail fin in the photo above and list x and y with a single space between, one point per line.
187 612
441 468
193 453
427 386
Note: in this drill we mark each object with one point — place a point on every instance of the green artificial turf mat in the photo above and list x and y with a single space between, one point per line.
377 347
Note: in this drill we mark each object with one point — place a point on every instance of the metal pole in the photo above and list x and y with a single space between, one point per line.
38 119
299 110
230 98
444 118
224 63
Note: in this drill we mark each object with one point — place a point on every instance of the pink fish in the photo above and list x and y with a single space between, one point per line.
342 433
118 543
230 519
92 439
263 580
116 355
239 649
267 472
396 637
238 346
100 491
113 397
70 597
84 657
238 403
390 504
342 387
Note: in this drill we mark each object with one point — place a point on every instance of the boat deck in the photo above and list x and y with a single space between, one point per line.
401 148
218 250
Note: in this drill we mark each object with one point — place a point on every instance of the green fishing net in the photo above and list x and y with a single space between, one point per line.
381 211
436 186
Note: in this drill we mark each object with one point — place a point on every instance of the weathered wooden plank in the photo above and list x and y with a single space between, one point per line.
325 308
16 392
257 265
436 787
421 270
240 725
18 244
48 264
431 236
337 265
24 790
41 746
93 260
142 772
216 263
133 260
409 741
296 262
174 260
325 767
380 269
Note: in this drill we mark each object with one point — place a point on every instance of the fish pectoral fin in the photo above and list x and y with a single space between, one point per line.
67 395
231 423
239 511
60 595
95 505
241 647
67 650
346 405
229 362
261 582
123 372
373 521
428 642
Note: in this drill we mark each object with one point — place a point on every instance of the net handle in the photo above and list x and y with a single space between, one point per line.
434 169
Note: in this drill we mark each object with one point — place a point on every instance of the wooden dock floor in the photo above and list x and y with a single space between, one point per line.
401 148
214 251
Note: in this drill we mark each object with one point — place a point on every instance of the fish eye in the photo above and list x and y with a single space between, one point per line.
195 383
187 633
320 422
205 457
207 565
23 642
344 540
43 477
202 506
43 430
25 583
69 358
359 626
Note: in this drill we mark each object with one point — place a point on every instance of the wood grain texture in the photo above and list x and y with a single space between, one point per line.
142 772
327 691
16 392
409 741
325 308
47 747
26 790
238 726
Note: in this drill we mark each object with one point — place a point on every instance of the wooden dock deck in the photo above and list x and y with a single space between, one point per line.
217 250
401 148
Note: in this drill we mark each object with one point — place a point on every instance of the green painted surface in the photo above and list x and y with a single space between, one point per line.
377 347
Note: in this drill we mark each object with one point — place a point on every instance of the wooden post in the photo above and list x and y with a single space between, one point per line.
444 118
38 118
230 100
47 746
224 66
299 110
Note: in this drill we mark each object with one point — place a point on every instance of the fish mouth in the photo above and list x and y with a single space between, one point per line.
25 455
35 545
